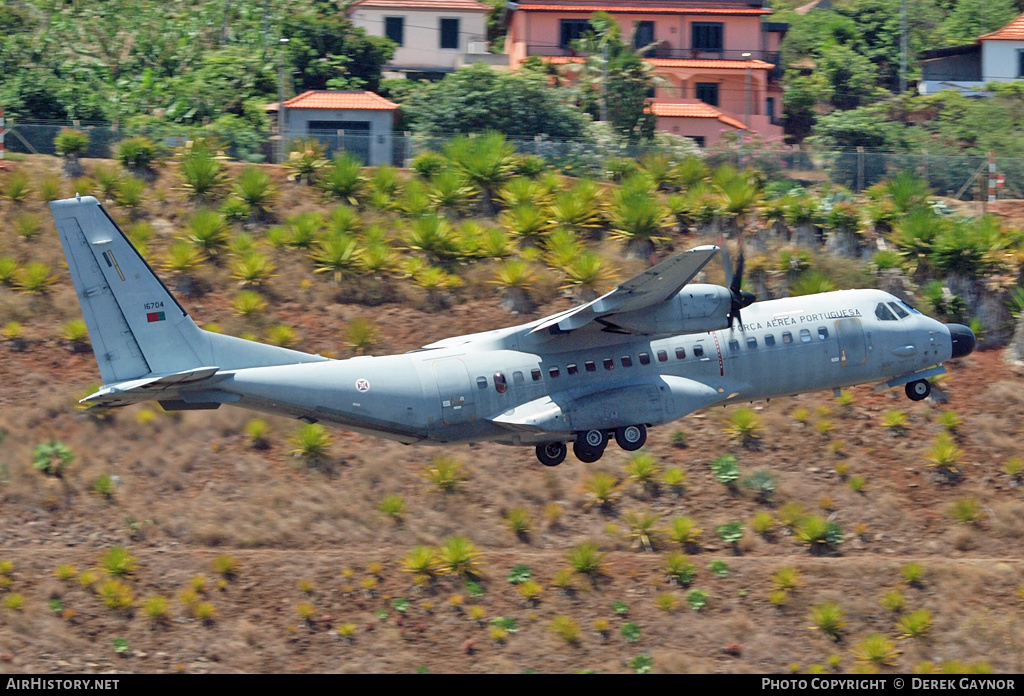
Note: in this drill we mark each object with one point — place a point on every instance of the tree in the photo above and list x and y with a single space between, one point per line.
477 98
969 20
325 48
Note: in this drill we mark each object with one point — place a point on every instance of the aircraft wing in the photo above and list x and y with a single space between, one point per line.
655 285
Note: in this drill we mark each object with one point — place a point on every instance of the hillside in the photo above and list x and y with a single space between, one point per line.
322 572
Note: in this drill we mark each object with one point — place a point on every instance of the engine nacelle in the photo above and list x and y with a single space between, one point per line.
697 308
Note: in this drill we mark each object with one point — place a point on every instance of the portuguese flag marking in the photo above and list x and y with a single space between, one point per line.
155 316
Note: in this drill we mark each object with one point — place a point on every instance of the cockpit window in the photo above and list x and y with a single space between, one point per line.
883 312
900 312
500 385
907 307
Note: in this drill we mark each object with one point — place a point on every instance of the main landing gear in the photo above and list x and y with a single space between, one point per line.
589 445
918 390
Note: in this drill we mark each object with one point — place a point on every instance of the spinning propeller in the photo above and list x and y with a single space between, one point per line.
740 298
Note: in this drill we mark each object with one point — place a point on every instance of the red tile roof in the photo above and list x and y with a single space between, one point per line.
367 101
677 63
634 9
693 109
1014 31
466 5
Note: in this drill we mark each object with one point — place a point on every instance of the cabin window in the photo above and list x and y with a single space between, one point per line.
572 369
680 353
900 312
609 364
535 374
883 312
662 356
734 345
805 336
589 366
751 342
627 361
822 333
554 372
698 351
769 340
500 385
517 377
645 359
481 382
787 337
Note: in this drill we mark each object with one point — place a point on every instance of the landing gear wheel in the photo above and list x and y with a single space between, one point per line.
631 437
551 453
585 453
918 390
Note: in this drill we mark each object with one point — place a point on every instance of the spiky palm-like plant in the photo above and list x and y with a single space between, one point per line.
361 334
487 162
811 283
523 190
201 170
434 237
252 268
450 190
586 275
378 259
256 188
343 178
460 556
638 218
578 209
415 202
527 222
337 255
642 528
516 278
208 232
305 160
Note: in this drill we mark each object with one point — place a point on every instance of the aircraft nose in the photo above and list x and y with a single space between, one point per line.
962 338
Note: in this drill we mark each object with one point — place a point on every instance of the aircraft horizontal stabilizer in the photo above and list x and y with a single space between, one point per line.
150 388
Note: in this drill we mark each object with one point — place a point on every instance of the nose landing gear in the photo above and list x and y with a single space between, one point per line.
631 437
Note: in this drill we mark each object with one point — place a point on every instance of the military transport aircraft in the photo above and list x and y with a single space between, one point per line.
652 350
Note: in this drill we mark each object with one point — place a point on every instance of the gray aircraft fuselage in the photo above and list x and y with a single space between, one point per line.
449 394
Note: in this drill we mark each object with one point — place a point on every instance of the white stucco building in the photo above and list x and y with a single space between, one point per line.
994 57
433 36
359 122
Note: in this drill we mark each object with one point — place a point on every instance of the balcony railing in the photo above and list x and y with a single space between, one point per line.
665 51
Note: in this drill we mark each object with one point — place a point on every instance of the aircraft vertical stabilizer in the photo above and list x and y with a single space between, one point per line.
136 326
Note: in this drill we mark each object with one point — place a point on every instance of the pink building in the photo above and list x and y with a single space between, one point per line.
722 53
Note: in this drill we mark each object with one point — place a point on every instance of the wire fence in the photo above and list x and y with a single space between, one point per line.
962 176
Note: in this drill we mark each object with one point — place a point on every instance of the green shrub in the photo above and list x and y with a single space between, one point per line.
876 649
761 484
137 154
202 173
829 618
460 556
631 632
312 442
684 531
731 533
697 599
255 187
566 628
118 561
305 160
35 278
16 187
586 559
445 473
209 232
343 178
52 458
726 470
130 191
393 506
678 567
744 425
71 143
915 624
28 226
519 521
913 574
104 485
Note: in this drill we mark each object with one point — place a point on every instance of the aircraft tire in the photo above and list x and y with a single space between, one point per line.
552 453
631 437
918 390
585 453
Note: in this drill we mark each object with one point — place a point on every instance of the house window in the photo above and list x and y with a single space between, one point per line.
573 29
707 92
644 35
769 107
449 33
1020 63
698 139
707 36
394 29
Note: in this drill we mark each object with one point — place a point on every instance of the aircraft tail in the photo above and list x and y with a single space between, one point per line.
136 327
